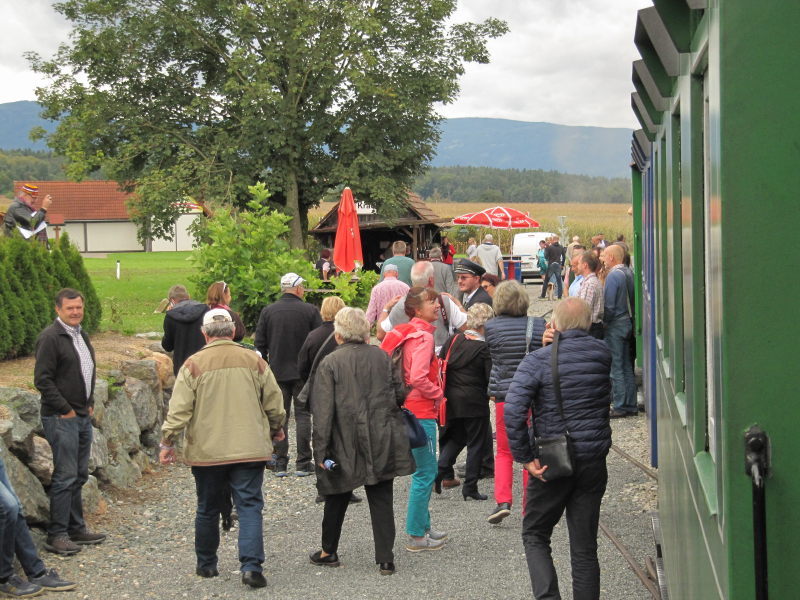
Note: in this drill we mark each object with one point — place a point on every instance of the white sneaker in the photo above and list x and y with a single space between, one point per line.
436 535
423 544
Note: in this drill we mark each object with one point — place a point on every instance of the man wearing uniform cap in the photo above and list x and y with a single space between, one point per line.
227 400
468 278
282 328
22 214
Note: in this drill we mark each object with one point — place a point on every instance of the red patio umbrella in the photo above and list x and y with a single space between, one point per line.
347 244
498 217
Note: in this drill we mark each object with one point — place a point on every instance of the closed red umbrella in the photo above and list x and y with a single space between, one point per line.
498 217
347 245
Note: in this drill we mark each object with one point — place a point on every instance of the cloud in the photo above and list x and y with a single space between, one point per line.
564 61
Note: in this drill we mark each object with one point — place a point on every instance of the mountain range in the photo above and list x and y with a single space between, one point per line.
467 142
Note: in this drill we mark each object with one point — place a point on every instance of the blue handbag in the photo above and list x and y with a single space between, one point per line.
417 438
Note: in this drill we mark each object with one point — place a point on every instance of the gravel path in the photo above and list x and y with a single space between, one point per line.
149 553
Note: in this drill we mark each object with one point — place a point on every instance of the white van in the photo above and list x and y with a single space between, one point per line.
526 246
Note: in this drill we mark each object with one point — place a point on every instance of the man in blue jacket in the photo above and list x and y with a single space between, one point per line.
618 302
583 369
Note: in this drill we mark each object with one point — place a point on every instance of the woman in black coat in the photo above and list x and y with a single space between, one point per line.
355 402
467 381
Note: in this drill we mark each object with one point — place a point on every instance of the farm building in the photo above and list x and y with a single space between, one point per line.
95 215
416 225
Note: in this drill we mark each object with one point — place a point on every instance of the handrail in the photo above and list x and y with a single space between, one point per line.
757 465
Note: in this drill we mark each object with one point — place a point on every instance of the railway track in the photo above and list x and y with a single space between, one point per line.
644 574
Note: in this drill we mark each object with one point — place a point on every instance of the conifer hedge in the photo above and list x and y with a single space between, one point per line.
30 277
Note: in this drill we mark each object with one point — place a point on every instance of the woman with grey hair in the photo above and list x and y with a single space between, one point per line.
510 336
359 437
466 373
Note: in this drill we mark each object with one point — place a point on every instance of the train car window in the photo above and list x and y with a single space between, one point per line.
713 281
664 258
675 218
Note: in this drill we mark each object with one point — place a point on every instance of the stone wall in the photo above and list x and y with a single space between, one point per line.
129 408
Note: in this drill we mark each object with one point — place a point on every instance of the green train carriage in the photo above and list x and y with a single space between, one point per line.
717 217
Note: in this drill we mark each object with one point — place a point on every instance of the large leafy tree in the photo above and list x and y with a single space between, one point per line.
203 98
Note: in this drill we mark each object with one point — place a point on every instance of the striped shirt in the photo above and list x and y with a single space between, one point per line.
87 364
592 291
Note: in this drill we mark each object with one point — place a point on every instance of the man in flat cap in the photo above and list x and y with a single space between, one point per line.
22 214
468 278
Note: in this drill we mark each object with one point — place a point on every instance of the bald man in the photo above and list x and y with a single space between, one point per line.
618 302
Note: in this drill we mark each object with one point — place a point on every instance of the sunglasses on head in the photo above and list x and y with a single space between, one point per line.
224 286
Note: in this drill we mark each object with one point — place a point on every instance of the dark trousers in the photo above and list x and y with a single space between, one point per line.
302 419
580 495
597 330
15 537
618 336
381 512
460 432
71 442
553 268
244 481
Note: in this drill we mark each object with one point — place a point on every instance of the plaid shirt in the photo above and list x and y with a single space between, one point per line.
592 291
87 364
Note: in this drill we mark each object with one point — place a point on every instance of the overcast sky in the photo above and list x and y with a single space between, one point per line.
563 61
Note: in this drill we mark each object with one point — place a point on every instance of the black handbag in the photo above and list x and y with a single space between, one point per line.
417 438
556 452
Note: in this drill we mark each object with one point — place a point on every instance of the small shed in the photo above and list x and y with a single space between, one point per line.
417 225
95 215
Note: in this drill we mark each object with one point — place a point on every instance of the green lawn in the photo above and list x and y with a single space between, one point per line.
145 278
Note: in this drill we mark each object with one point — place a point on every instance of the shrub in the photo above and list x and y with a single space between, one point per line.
248 250
93 309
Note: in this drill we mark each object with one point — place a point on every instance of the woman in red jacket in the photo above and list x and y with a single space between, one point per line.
421 373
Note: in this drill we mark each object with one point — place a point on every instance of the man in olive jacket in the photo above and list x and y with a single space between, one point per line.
227 400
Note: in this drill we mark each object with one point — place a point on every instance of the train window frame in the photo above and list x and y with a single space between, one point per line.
663 257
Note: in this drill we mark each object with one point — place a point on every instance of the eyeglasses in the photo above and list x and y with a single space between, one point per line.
486 286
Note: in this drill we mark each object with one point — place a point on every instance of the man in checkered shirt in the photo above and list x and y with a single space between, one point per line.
65 376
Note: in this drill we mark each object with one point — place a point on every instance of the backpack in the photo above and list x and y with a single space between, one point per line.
397 369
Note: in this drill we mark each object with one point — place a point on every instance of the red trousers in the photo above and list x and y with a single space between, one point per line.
504 462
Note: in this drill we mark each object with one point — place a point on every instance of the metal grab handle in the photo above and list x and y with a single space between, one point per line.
757 462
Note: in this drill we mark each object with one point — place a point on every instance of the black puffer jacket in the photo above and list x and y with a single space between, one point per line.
467 377
584 364
506 339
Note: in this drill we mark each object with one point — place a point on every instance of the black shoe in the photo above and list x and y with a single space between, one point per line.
206 572
386 568
332 560
281 465
254 579
354 499
476 495
437 485
619 414
500 512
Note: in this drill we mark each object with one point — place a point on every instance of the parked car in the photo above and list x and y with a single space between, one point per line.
526 245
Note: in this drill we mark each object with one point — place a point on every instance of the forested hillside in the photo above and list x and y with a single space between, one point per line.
499 186
20 165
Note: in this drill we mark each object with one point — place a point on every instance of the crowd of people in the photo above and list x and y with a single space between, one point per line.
450 346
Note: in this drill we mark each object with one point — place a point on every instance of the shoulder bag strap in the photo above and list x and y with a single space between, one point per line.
447 360
528 336
443 310
557 380
316 356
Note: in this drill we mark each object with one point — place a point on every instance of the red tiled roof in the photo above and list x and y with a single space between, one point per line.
84 201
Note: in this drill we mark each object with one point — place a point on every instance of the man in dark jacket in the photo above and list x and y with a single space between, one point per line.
282 328
21 212
583 368
182 334
554 254
65 374
468 278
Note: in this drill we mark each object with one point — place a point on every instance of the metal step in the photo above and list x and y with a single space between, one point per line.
660 572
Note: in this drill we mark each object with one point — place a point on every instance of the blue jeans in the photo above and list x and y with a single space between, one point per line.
418 517
623 383
553 270
71 441
15 537
244 480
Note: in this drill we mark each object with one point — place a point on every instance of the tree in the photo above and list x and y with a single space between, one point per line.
203 98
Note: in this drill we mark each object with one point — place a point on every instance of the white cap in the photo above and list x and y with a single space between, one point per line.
291 280
216 314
